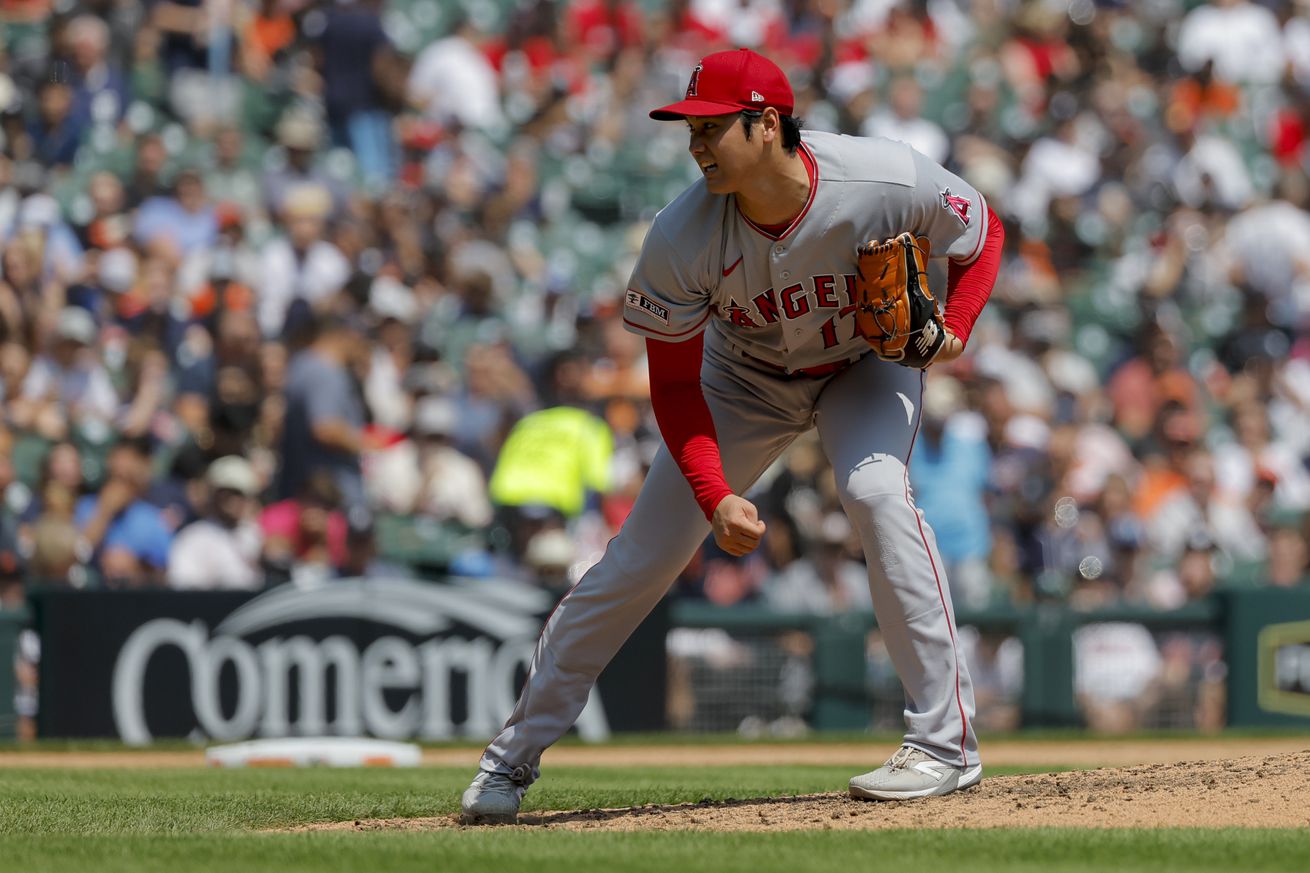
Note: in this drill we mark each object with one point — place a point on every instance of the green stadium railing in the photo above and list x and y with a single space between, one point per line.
1263 630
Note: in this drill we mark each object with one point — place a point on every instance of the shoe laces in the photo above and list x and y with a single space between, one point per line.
501 782
904 757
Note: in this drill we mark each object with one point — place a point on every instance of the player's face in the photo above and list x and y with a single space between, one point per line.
721 150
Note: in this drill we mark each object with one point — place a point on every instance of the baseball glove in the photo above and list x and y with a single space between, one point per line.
894 310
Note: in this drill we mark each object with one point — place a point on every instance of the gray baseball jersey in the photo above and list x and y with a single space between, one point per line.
785 299
788 299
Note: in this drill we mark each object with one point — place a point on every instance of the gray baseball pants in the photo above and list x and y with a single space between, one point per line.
867 417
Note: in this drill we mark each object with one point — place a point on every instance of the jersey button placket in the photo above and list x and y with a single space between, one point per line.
784 275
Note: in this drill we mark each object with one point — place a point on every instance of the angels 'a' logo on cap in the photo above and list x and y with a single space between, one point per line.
960 206
695 81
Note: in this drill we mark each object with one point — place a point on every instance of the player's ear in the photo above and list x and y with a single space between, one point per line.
771 124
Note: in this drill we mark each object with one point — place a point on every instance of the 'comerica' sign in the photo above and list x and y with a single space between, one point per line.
390 658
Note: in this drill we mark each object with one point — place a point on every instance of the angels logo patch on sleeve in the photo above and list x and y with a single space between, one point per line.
959 206
637 300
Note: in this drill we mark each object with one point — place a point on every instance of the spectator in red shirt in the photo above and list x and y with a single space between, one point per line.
1155 376
306 534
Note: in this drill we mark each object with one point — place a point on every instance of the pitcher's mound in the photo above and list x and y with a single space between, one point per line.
1241 792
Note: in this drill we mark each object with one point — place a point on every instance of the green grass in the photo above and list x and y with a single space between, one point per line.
1221 851
207 821
184 801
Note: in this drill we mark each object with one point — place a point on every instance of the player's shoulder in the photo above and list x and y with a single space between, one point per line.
690 219
844 158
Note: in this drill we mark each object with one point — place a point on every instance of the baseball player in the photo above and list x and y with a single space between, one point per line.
745 291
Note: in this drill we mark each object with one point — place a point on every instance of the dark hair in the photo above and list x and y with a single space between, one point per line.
791 128
139 446
321 324
320 487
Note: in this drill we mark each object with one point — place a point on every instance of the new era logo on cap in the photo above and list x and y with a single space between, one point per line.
727 82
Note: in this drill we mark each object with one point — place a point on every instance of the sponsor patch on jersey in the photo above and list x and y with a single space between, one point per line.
637 300
960 206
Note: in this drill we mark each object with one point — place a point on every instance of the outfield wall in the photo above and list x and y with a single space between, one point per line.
1238 659
406 659
392 658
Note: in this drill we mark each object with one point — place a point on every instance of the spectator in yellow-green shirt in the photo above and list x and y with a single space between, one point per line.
555 459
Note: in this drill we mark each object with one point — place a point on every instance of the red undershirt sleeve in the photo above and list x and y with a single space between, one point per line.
969 285
684 417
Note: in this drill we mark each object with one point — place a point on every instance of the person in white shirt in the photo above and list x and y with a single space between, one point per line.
1242 40
1212 172
453 81
1117 666
1063 164
426 474
453 485
902 122
68 386
1267 247
221 550
1253 455
1204 504
301 265
1296 42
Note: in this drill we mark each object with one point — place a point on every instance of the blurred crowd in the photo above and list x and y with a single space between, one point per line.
295 290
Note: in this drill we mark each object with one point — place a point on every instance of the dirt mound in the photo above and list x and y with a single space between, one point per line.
1052 753
1257 791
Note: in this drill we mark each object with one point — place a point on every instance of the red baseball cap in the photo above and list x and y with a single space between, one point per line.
731 81
228 214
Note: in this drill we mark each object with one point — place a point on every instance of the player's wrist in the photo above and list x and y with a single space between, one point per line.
712 503
951 349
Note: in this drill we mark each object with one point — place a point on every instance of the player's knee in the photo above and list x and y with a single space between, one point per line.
878 481
574 663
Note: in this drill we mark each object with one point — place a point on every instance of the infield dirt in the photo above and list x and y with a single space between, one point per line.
1252 791
1052 753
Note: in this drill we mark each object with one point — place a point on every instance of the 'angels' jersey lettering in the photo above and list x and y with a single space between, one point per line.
789 300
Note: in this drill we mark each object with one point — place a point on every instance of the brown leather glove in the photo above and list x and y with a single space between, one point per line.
894 310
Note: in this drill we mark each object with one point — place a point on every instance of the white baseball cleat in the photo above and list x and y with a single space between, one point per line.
492 798
912 773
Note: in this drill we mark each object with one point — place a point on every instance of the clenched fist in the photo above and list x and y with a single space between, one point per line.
737 525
